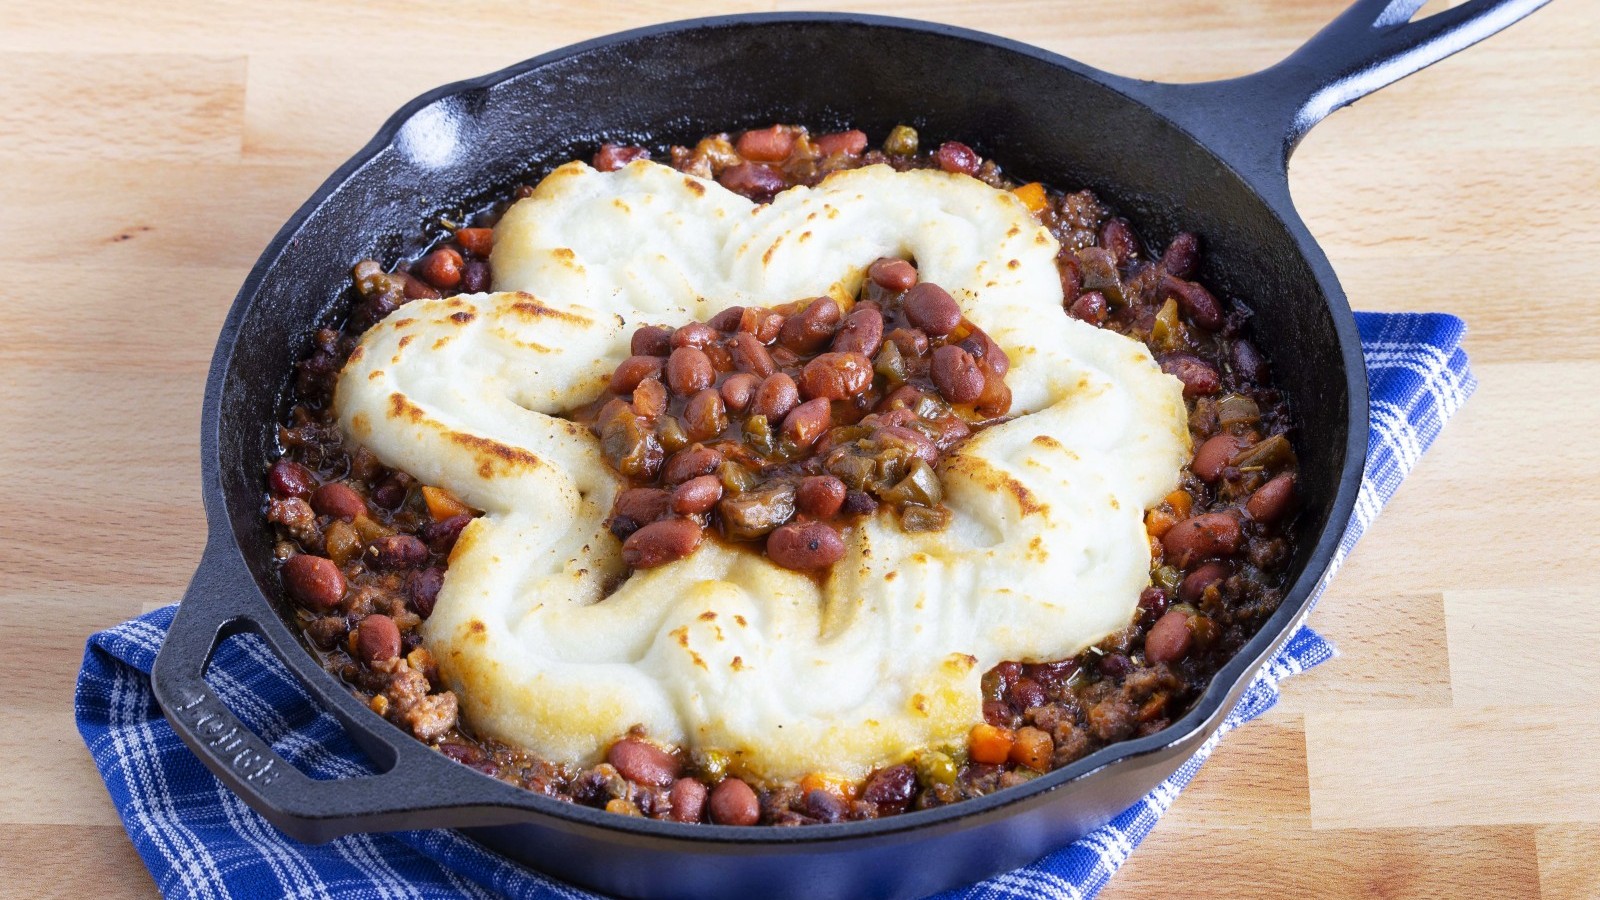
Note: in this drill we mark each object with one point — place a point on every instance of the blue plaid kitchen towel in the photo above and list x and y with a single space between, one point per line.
199 840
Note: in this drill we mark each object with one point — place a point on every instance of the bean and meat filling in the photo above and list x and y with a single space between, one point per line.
780 428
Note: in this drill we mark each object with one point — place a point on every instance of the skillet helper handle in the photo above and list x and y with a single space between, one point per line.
1259 119
222 600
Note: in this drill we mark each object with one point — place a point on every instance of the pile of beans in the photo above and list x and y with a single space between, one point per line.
782 425
708 442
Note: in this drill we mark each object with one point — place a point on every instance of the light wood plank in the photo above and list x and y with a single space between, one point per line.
1569 862
57 862
1433 768
127 106
1445 864
1505 643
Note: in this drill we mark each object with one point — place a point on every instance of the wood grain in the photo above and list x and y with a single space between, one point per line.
148 152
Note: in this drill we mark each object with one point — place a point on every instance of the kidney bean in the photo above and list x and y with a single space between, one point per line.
650 398
956 374
389 493
823 806
957 157
1167 641
805 546
659 543
315 581
932 309
695 334
689 371
1027 693
836 376
775 397
727 320
474 276
442 535
1203 309
734 803
1090 307
750 356
642 505
989 355
691 462
287 478
806 422
1182 256
1198 378
1215 454
862 332
892 788
415 288
721 359
892 274
643 763
633 370
705 415
920 445
738 390
1208 534
688 798
614 156
1116 235
1271 500
766 145
377 639
820 496
752 180
850 143
811 328
338 500
763 323
477 241
1115 665
912 342
651 340
697 495
859 503
1194 585
1152 603
441 268
422 587
1248 366
397 551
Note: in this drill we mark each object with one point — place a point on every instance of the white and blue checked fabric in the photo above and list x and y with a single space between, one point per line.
199 840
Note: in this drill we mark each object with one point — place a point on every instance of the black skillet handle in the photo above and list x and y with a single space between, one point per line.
223 600
1257 120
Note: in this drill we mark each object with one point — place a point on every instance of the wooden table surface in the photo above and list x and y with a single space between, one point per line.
149 150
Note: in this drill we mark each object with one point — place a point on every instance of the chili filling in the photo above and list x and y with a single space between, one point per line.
365 547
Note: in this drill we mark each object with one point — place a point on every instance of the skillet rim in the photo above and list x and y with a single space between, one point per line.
1203 718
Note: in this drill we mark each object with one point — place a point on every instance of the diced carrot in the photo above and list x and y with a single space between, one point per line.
1033 748
1152 708
442 504
989 744
832 784
1157 521
1032 195
1180 501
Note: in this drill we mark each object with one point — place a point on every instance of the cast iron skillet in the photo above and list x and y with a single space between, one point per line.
1210 158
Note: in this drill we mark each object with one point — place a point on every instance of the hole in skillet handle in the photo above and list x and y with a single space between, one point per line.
409 778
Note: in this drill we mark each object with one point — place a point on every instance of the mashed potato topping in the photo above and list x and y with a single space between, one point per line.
1045 554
